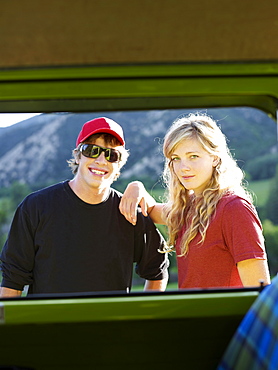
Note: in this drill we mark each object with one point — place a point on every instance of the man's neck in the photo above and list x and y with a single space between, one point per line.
89 195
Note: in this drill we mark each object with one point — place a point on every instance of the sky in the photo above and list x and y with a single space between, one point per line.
8 119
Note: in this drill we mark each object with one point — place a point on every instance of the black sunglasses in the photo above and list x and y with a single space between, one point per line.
94 151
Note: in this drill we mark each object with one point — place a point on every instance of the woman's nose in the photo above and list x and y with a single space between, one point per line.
184 165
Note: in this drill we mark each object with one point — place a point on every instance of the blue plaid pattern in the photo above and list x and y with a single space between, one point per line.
255 343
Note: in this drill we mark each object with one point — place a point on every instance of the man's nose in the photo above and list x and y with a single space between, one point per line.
101 159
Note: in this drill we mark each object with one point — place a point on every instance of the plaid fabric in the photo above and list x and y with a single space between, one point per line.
255 343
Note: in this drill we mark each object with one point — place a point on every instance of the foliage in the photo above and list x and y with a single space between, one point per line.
271 208
8 204
18 191
260 189
244 129
148 182
5 212
262 167
271 242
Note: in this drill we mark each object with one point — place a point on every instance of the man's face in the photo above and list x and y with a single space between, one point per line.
97 173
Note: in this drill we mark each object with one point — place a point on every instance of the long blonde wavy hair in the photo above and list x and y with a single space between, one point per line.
182 208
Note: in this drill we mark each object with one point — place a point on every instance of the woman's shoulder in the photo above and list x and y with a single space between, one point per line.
233 200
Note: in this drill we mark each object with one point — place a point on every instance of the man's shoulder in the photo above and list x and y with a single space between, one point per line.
115 196
141 219
115 193
45 193
50 189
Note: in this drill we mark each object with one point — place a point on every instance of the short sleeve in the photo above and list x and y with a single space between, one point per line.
242 230
150 263
17 257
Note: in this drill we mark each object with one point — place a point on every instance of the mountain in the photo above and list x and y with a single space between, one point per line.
35 151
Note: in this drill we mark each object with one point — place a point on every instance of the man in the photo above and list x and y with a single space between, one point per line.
71 237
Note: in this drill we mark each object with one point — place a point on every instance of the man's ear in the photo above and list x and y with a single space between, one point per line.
77 156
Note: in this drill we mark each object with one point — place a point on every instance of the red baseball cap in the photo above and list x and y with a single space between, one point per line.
101 125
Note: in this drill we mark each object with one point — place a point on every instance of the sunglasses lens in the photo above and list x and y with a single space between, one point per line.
94 151
90 151
112 155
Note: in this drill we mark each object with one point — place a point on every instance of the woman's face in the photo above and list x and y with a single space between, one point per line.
193 165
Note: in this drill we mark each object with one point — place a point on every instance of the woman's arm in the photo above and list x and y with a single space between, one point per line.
136 195
253 271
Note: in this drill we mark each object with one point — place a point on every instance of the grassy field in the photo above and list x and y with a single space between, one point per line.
261 189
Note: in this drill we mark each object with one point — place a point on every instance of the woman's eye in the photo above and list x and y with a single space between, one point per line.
194 156
175 158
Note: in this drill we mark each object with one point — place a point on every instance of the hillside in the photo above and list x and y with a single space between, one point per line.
35 151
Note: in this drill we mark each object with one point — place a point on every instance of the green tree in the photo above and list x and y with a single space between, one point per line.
8 205
5 218
18 191
271 242
271 208
262 167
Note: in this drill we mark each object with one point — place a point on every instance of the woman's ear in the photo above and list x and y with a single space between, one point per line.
215 161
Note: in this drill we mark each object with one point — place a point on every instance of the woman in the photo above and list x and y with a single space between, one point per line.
212 223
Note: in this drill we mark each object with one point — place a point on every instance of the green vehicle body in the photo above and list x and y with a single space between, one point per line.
117 56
